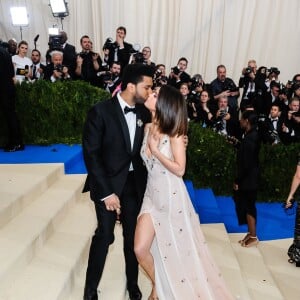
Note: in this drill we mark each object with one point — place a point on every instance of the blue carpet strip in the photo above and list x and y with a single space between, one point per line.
272 221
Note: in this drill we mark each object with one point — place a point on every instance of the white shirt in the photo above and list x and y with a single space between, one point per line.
130 119
19 64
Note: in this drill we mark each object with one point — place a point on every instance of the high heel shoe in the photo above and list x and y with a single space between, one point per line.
246 237
153 298
251 241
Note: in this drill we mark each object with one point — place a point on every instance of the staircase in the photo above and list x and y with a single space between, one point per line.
45 228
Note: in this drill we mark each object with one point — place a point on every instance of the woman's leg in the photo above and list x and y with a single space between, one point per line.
144 235
251 219
251 225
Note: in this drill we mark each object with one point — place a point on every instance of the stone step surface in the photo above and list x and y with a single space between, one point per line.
20 184
256 274
46 234
23 237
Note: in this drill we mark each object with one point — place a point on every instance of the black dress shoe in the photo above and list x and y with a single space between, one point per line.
90 294
14 148
134 293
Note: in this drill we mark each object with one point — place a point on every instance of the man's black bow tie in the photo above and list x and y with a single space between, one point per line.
129 109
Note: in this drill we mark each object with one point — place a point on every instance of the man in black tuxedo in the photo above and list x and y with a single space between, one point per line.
272 97
37 69
270 128
112 139
120 50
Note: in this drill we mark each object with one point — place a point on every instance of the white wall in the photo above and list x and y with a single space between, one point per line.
206 32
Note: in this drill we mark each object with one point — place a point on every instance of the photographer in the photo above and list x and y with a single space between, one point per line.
203 110
291 85
119 50
272 76
225 119
178 74
271 127
224 86
160 77
291 125
8 100
247 83
56 70
146 56
271 97
112 78
88 63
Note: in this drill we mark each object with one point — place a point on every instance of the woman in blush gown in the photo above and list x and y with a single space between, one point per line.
169 243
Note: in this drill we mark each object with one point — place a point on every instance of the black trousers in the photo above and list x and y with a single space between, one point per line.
104 236
7 105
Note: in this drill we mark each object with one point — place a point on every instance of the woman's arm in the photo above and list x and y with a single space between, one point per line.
178 147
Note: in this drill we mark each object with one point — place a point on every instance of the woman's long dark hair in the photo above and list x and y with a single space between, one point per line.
171 112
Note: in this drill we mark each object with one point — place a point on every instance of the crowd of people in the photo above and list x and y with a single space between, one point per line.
135 170
217 105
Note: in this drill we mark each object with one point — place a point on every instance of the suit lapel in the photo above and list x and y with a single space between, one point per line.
139 129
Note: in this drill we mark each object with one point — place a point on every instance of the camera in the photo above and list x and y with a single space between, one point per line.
83 54
109 44
107 76
229 86
248 70
138 58
196 81
159 79
175 70
218 124
55 42
4 44
273 70
222 112
59 68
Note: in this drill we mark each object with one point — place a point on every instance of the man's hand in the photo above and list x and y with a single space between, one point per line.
113 203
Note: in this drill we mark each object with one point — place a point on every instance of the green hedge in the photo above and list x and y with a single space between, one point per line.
55 113
212 160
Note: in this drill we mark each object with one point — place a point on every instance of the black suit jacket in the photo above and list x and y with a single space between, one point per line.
123 55
267 130
107 150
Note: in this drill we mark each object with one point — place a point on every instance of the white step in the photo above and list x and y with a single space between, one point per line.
221 250
286 275
25 234
256 274
20 184
113 282
45 229
51 273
